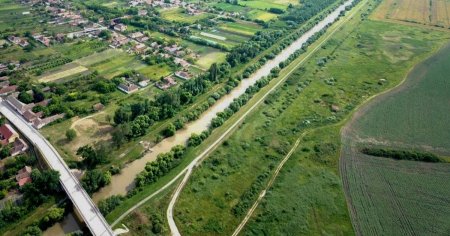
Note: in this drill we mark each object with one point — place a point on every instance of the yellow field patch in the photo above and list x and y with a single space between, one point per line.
425 12
62 74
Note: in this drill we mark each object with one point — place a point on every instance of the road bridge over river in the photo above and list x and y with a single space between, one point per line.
81 200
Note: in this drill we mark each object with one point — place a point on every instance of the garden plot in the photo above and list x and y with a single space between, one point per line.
65 71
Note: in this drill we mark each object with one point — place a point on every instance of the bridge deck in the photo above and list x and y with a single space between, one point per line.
81 200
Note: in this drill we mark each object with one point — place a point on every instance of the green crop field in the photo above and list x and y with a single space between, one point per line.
263 5
402 197
416 114
247 29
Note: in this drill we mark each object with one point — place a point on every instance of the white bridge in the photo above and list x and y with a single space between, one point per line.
81 200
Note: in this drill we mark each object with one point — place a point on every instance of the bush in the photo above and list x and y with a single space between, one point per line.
401 154
109 204
71 134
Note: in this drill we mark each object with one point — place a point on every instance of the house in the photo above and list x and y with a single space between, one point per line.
120 27
3 68
24 176
8 89
183 63
143 39
19 146
98 107
39 123
136 35
18 41
18 105
166 83
128 87
7 134
144 83
139 48
142 12
40 38
183 75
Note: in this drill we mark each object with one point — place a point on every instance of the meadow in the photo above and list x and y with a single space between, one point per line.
177 15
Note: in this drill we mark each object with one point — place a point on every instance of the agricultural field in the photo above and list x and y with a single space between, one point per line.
431 13
64 72
410 197
178 15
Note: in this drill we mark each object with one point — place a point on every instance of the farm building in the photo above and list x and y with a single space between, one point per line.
166 83
19 146
183 75
120 27
7 134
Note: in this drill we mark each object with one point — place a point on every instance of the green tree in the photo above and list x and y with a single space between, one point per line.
93 157
120 134
71 134
25 97
95 179
32 231
53 215
170 130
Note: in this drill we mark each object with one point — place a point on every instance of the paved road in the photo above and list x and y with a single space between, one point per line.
81 200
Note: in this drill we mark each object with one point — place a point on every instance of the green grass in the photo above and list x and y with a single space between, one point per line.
257 14
263 5
155 72
241 28
119 64
206 60
144 220
177 15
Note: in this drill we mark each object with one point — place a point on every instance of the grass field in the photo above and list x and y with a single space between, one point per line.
243 28
177 15
257 14
206 60
433 12
402 197
263 4
92 61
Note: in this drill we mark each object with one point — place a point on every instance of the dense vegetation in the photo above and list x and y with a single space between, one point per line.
401 154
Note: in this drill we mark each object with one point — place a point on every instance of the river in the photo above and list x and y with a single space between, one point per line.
124 181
